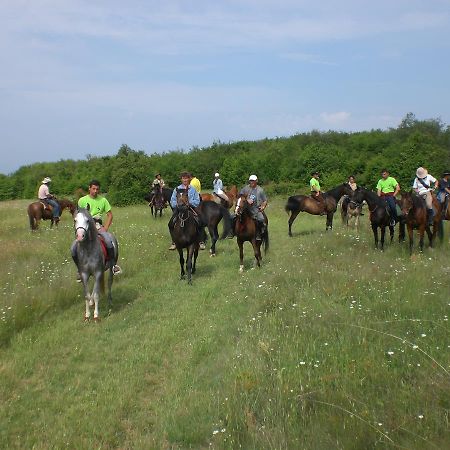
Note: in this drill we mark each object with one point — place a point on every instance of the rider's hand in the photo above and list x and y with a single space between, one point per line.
102 228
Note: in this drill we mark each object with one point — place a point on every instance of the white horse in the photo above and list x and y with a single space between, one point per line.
90 259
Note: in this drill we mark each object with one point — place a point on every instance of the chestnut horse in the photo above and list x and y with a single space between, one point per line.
37 211
299 203
414 211
232 194
245 230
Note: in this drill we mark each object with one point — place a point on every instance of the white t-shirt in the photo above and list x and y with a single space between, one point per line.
420 188
43 192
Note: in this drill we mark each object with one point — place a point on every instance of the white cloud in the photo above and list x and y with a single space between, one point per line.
336 118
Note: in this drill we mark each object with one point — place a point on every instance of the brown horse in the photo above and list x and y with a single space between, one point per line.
414 211
245 230
37 211
232 194
298 203
350 210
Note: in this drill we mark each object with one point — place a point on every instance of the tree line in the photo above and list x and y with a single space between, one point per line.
283 165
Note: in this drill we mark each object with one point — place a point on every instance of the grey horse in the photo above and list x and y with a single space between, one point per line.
91 259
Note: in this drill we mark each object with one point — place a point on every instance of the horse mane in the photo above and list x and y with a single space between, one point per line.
418 202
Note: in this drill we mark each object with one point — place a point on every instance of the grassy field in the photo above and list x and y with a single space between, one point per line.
331 344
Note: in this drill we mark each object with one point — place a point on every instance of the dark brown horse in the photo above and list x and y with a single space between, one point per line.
38 210
232 194
158 199
245 230
414 211
185 230
299 203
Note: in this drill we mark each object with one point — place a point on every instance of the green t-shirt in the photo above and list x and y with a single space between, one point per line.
97 206
387 185
314 182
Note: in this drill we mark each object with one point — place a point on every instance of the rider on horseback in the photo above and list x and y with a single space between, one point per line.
444 191
98 205
193 200
388 188
257 200
218 188
422 185
49 199
158 181
316 192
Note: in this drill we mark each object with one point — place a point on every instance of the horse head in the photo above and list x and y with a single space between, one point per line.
83 224
182 199
406 202
242 205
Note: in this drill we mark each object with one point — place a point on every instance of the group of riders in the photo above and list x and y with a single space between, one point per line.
387 187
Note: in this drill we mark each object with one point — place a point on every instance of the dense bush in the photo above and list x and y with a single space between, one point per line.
283 165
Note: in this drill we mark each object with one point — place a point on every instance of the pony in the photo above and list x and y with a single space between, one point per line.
38 210
350 210
212 214
158 198
232 194
415 214
91 260
245 230
186 230
305 203
378 214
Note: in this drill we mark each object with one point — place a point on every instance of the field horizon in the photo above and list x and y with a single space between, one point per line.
331 344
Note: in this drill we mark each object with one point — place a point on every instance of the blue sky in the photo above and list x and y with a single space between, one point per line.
84 77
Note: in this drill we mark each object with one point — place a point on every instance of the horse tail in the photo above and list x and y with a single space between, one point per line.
102 284
227 225
293 204
265 240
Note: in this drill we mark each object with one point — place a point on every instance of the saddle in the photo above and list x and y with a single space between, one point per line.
108 251
46 205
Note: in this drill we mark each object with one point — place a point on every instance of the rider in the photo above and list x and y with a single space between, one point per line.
218 188
444 191
257 200
314 184
422 185
351 181
49 199
158 181
195 183
388 188
98 205
193 199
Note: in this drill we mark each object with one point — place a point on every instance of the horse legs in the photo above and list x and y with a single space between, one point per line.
180 252
87 295
110 282
421 235
294 215
241 254
375 233
213 232
411 238
329 224
382 235
391 233
401 232
190 252
257 252
195 259
96 292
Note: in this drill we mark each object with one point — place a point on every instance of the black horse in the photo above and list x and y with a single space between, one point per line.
212 214
379 214
158 198
298 203
185 230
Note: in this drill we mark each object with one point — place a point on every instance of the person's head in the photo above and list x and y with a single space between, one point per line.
446 175
186 178
351 179
315 175
421 172
94 188
253 180
384 174
216 175
46 180
158 176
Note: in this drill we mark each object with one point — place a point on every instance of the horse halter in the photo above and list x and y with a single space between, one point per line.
81 227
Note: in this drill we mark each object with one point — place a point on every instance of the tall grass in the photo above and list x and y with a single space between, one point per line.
331 344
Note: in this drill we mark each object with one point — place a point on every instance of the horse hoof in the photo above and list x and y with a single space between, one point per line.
212 255
86 319
96 319
241 269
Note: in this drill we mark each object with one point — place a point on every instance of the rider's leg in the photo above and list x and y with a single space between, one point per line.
260 225
55 206
392 208
429 203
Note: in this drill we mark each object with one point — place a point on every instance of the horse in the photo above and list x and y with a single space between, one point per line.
231 194
350 210
414 211
378 214
158 198
212 214
445 215
186 230
245 230
306 203
38 210
91 260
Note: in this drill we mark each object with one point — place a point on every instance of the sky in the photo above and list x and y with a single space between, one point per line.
82 77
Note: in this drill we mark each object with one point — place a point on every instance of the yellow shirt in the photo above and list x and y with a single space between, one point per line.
195 183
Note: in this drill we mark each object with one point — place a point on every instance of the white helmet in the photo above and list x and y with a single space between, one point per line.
216 174
252 178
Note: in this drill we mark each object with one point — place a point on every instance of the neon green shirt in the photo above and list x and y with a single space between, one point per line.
97 206
387 185
314 182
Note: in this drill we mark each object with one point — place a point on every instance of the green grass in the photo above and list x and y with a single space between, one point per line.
331 344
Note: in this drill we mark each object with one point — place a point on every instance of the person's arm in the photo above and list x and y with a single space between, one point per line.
263 205
194 199
173 199
397 189
378 189
108 220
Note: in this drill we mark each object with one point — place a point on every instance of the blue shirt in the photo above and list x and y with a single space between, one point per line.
193 197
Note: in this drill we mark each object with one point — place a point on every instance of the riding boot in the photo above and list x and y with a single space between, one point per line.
430 216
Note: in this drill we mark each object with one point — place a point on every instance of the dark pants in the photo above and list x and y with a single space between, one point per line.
55 205
390 200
